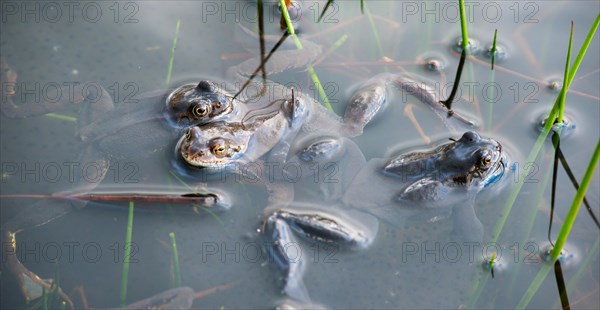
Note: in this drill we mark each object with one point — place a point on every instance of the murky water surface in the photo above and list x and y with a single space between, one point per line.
125 46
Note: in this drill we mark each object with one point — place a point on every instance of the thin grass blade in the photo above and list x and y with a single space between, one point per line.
569 172
329 2
126 256
172 56
563 95
494 48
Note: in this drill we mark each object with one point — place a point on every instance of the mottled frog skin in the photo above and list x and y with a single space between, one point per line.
446 178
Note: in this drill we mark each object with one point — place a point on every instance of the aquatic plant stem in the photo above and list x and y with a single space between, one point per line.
175 261
534 152
126 256
545 131
564 232
570 219
172 55
563 95
62 117
329 2
261 37
463 26
309 67
494 48
592 253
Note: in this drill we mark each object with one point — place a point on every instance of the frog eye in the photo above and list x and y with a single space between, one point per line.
486 161
201 109
219 147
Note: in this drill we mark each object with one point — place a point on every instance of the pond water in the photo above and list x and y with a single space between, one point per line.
125 46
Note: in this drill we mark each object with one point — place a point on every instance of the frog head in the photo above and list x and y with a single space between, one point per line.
215 146
196 104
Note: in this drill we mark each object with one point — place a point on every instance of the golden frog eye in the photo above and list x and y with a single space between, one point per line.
219 147
486 161
201 109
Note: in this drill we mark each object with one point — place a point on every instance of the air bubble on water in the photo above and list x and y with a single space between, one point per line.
473 46
499 264
568 255
501 52
74 72
566 128
433 62
555 84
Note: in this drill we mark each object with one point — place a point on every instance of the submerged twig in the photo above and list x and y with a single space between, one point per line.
262 64
560 283
461 64
261 38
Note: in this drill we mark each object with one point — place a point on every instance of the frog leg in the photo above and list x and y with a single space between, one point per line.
423 91
279 242
329 225
430 193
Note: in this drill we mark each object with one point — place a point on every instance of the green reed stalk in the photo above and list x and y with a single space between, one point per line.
494 48
564 232
62 117
126 256
175 260
570 219
546 130
172 56
335 46
309 67
563 95
535 150
463 26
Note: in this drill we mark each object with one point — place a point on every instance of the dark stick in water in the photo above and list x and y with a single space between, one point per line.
208 200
